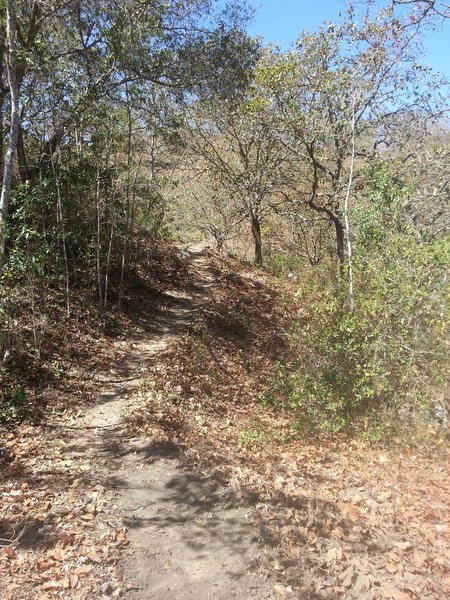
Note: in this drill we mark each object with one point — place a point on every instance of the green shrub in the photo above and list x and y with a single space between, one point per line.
14 404
390 353
281 263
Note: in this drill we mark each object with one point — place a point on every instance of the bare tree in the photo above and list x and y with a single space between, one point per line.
246 159
307 95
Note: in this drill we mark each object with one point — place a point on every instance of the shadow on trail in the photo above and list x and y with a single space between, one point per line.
187 511
166 506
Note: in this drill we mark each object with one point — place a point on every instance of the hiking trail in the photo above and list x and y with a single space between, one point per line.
184 541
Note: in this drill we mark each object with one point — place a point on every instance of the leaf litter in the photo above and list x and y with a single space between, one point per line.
335 517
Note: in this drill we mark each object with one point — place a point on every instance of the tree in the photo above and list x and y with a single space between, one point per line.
14 126
245 158
421 11
73 55
310 95
205 204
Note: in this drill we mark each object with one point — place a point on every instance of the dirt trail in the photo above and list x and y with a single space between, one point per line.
184 542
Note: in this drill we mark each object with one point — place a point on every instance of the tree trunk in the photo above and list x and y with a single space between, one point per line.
24 171
2 100
128 204
133 201
111 237
12 145
60 220
256 232
347 221
99 240
340 243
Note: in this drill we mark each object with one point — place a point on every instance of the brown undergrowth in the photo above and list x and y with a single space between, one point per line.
336 517
62 353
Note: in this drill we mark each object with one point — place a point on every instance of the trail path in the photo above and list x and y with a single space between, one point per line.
184 542
328 519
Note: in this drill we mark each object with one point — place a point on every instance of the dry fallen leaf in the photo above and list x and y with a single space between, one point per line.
333 555
403 545
51 585
121 536
84 570
73 580
94 556
390 592
392 568
280 590
347 576
55 554
9 552
362 585
276 565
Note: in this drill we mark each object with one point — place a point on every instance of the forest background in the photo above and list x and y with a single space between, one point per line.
124 125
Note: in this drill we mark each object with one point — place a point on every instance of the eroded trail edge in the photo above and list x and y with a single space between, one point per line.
183 540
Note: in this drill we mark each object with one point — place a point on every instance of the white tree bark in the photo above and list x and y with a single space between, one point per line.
347 222
14 128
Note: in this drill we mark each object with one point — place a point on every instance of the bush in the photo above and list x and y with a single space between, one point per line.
391 353
14 404
281 263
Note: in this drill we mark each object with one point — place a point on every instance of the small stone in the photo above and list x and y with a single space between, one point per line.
106 589
279 589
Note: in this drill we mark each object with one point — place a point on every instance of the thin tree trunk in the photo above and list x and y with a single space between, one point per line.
108 256
98 249
256 232
340 244
133 198
12 146
347 223
128 206
108 253
24 171
60 219
149 237
5 304
34 321
2 100
76 141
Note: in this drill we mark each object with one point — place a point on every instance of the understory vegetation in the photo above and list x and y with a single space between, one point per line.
387 355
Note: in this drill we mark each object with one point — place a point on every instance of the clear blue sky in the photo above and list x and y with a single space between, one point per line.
282 21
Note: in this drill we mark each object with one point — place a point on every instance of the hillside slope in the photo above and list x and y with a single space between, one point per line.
170 477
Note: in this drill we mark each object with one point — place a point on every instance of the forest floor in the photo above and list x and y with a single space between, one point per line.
157 473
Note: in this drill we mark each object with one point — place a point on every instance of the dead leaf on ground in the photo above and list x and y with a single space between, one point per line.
121 536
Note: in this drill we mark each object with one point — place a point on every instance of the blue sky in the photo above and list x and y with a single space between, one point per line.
282 21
